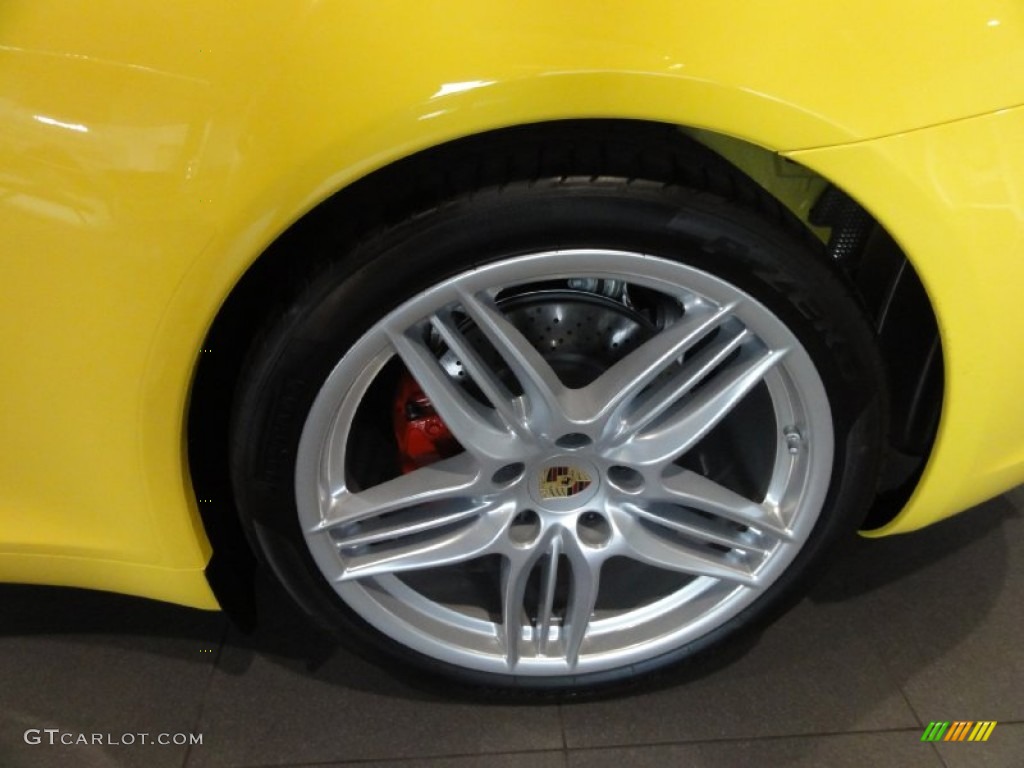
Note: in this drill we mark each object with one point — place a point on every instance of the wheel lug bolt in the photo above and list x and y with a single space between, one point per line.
593 530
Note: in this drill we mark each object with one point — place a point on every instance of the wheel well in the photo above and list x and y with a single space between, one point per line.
908 338
879 273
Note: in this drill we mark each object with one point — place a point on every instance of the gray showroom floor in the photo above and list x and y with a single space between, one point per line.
900 632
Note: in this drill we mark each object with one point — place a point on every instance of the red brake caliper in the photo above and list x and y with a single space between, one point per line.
421 435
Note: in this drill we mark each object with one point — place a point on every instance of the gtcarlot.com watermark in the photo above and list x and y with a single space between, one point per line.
56 737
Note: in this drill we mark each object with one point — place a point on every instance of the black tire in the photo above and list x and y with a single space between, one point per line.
344 297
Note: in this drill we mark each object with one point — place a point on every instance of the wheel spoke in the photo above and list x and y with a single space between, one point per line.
654 403
549 580
722 391
690 489
418 525
621 383
640 544
701 531
541 385
582 599
447 479
483 376
583 589
515 573
430 546
467 419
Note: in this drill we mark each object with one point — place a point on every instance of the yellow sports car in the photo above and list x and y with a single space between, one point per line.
539 344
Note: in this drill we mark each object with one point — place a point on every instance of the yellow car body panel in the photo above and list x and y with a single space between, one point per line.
956 193
151 152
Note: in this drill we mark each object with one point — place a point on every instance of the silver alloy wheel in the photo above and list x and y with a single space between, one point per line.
559 486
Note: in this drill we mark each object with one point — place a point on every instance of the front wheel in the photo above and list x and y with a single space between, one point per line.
558 434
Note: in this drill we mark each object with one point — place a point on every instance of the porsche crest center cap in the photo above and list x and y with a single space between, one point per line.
561 482
564 484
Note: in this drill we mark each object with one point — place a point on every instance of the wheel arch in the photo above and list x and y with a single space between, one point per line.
758 177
